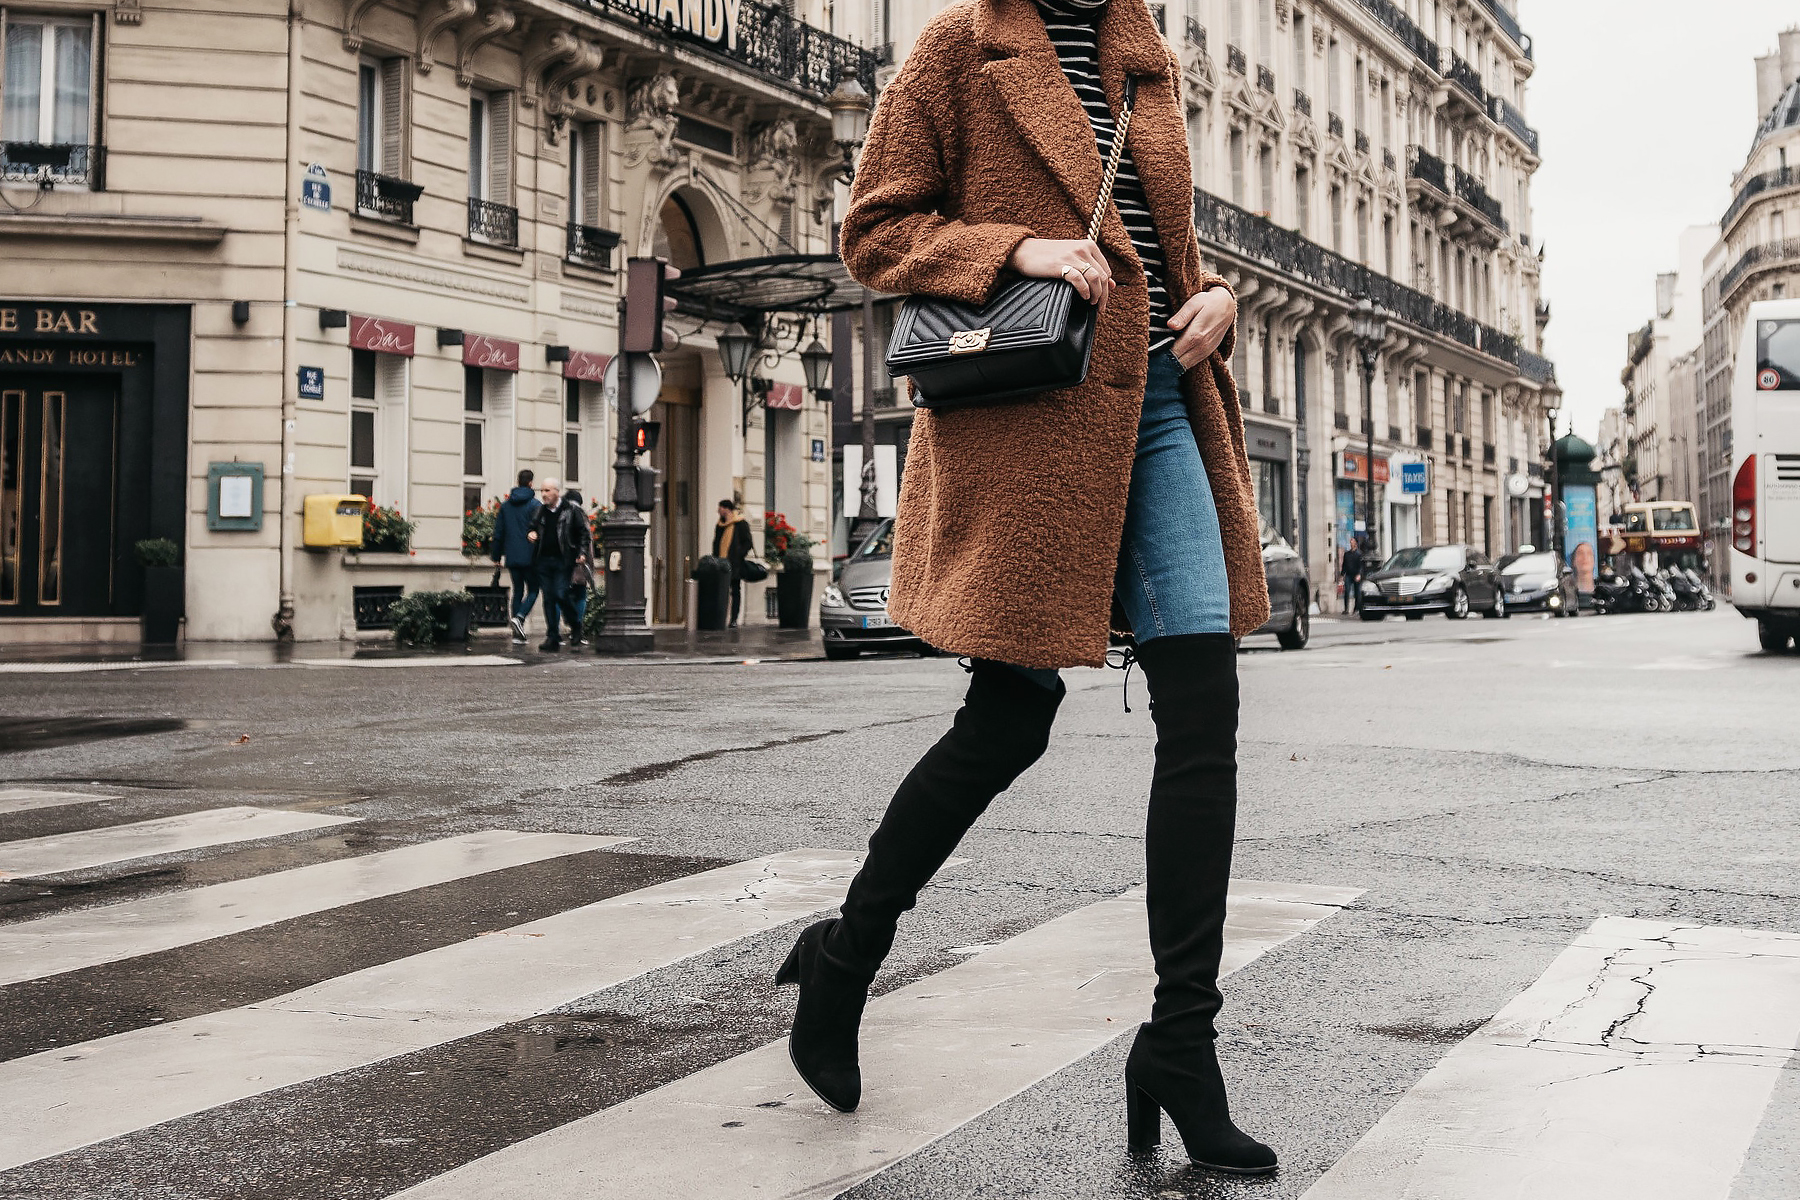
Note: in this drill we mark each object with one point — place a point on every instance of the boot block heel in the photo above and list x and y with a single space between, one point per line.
790 969
1143 1119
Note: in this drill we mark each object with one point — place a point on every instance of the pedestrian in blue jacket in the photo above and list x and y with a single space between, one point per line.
514 549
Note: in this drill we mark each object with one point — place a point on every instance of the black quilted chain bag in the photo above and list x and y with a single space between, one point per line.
1033 335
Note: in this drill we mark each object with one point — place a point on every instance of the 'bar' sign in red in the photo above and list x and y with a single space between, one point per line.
479 350
381 335
586 365
786 395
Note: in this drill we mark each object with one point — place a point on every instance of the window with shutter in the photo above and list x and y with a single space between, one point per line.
500 148
394 121
584 174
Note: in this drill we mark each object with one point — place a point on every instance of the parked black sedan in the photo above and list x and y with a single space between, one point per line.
1538 581
1453 580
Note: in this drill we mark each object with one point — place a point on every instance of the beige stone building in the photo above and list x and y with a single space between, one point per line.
260 251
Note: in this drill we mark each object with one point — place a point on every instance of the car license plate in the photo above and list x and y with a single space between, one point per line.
877 623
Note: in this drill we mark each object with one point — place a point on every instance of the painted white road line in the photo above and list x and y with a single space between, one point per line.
88 668
461 660
91 936
62 1099
1636 1068
935 1055
14 800
141 839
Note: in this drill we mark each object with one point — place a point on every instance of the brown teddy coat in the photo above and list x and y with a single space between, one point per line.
1011 516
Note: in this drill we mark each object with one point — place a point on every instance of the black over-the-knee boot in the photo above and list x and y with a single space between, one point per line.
1001 729
1193 816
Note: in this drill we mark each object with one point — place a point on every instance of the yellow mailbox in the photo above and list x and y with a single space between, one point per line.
334 521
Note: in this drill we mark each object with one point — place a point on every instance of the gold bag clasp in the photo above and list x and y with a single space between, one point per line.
967 341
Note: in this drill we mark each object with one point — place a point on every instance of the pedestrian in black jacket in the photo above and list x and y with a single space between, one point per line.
732 542
560 538
513 549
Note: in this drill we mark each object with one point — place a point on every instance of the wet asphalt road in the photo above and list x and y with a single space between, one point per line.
1492 786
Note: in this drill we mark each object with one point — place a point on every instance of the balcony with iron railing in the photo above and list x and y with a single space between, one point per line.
1334 124
1388 161
1513 121
1756 185
1265 79
770 41
1242 232
1470 191
1536 367
1302 102
495 224
1423 165
1756 260
1235 61
591 247
53 164
1196 33
1403 27
385 197
1509 25
1362 142
1468 79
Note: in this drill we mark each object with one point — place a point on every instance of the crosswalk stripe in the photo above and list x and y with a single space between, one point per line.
936 1054
14 800
62 1099
89 937
1637 1067
141 839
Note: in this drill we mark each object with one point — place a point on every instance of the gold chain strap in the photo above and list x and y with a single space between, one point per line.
1112 171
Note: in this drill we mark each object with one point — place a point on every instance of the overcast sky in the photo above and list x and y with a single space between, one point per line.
1645 109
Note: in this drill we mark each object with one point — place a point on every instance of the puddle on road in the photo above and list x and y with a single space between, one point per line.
45 733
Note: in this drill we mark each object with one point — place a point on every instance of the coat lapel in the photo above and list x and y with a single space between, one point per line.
1129 44
1038 98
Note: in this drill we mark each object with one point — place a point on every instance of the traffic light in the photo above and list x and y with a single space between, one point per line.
642 476
644 435
646 303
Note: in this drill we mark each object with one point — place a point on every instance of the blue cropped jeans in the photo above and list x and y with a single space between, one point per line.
1171 575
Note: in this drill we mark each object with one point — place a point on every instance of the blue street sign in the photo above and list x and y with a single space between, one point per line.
1412 479
315 189
312 383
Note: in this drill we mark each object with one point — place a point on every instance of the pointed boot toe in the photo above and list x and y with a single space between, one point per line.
823 1045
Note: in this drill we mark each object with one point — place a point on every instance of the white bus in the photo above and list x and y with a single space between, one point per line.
1765 488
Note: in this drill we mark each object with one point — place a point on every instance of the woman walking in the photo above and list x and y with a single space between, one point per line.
985 157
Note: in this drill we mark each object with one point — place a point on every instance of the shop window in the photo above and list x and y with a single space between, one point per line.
378 427
47 100
488 454
1271 493
572 433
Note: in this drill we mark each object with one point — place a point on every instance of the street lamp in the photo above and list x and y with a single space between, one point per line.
1552 409
849 104
1369 327
736 345
815 361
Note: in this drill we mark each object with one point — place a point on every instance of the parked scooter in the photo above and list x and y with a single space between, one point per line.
1623 593
1687 591
1662 591
1705 600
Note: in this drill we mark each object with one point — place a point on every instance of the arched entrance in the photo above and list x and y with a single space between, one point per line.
686 227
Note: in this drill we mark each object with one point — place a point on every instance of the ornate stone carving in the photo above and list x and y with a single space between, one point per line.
127 12
650 120
495 21
354 12
774 155
433 20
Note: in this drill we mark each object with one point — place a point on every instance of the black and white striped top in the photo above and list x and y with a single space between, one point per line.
1073 26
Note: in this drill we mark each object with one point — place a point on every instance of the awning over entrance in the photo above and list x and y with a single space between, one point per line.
783 283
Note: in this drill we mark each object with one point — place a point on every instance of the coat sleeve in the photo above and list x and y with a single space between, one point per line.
895 237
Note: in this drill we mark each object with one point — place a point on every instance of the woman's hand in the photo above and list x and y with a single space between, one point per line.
1078 261
1203 323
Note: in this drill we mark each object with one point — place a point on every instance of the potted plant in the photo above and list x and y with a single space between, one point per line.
790 553
161 618
427 618
386 531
